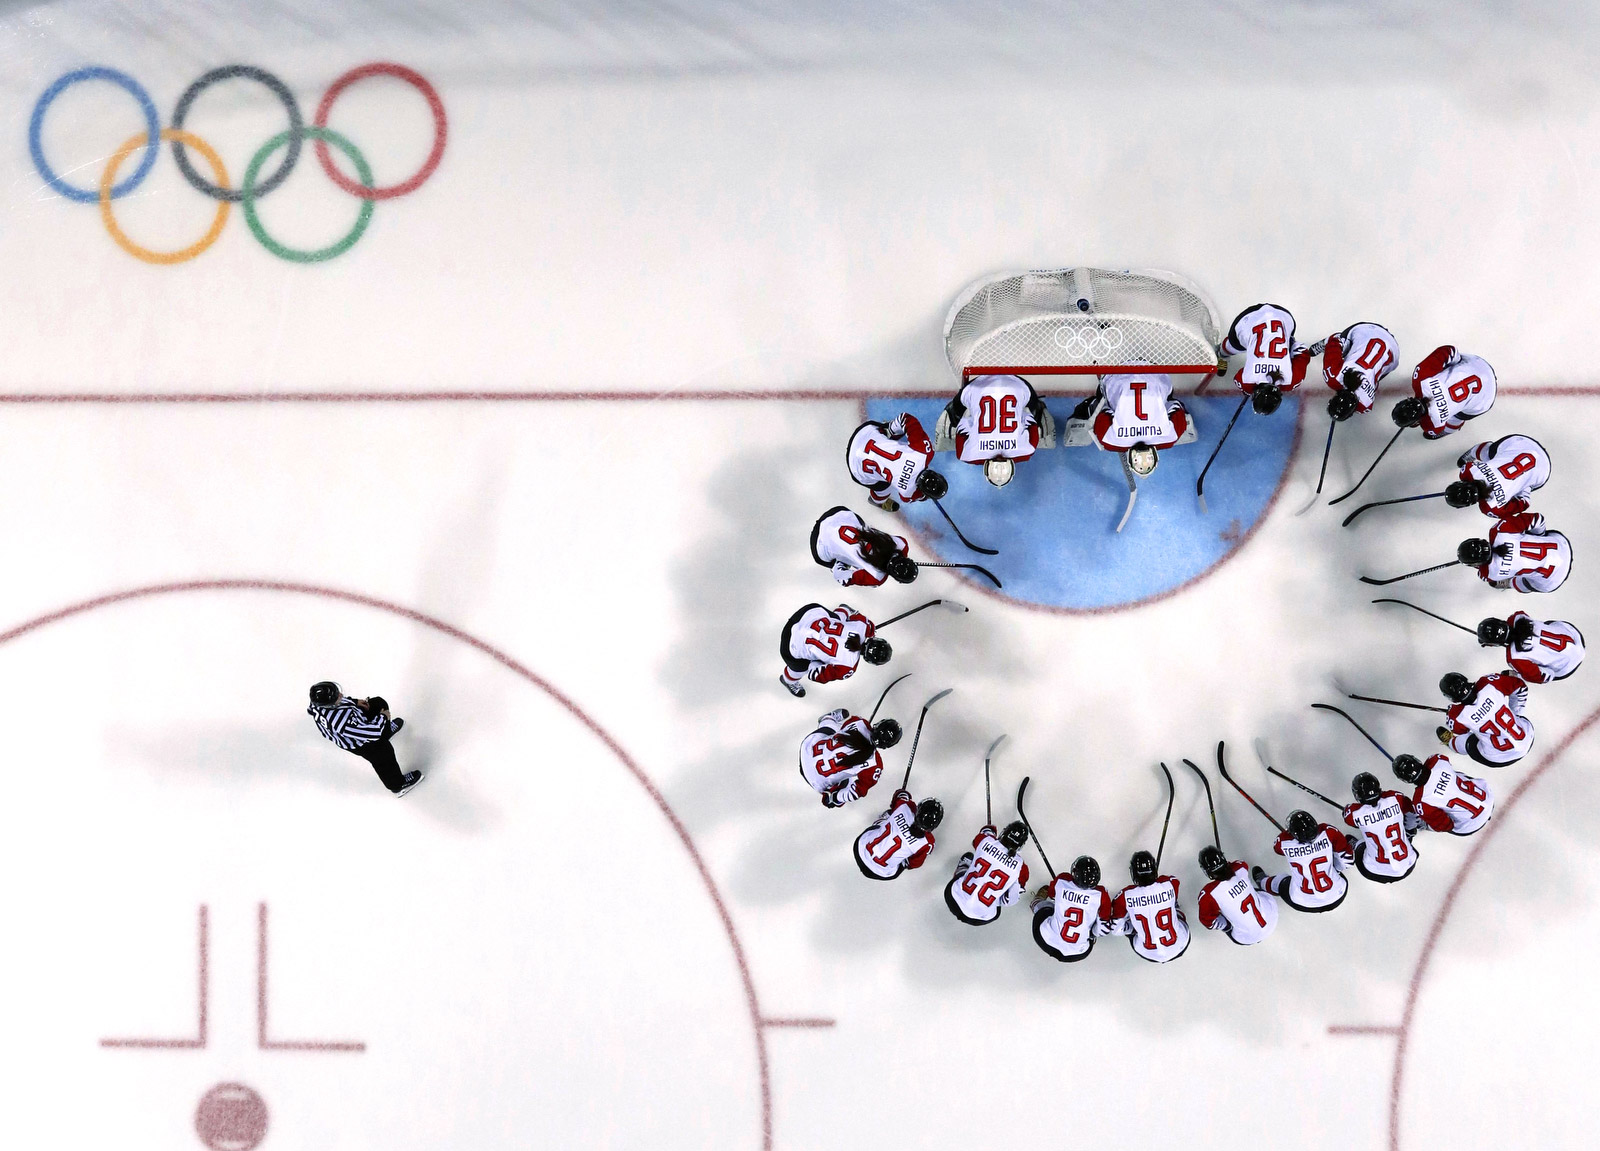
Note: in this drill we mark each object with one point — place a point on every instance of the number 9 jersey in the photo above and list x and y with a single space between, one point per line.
1453 389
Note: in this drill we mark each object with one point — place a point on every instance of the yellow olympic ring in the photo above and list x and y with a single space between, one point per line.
109 177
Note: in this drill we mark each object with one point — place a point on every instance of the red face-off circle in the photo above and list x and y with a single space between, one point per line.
440 130
231 1117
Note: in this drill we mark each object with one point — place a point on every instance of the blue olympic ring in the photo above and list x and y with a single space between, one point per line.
152 125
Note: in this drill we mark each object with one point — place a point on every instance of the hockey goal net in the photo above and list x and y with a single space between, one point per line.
1081 321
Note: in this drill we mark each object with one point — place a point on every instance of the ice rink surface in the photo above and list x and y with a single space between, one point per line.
666 257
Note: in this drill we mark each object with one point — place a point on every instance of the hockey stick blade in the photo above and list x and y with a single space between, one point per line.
983 571
883 697
1260 746
1023 815
1357 726
970 545
1397 703
1211 805
1222 766
1172 795
1406 603
1384 503
1323 474
949 605
1409 575
917 738
1200 484
1392 441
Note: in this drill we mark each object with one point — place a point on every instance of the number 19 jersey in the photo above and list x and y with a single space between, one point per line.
1151 917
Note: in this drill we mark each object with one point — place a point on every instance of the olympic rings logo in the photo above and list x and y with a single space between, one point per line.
253 187
1081 339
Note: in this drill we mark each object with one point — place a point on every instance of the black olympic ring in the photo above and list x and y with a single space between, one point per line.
274 85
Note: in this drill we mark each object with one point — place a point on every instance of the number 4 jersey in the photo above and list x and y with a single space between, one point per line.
1151 917
1233 905
1547 650
987 879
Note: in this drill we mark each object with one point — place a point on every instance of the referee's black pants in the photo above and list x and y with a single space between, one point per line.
380 755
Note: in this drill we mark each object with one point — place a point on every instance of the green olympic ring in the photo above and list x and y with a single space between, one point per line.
247 197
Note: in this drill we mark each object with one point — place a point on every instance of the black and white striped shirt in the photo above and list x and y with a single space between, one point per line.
346 725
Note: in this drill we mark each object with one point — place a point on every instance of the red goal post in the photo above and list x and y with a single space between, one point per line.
1081 322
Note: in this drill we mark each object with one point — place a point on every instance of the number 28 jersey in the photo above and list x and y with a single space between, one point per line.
1151 917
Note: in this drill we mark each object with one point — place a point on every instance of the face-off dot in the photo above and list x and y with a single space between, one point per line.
231 1117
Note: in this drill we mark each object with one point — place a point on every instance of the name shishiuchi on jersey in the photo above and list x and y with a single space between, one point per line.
1450 800
1552 650
1235 906
1453 388
1150 916
1490 727
1384 826
986 879
889 847
1510 467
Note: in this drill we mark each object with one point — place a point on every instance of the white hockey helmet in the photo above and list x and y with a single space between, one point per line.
999 471
1142 459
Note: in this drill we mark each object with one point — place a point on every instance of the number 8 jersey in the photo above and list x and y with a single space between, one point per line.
1151 917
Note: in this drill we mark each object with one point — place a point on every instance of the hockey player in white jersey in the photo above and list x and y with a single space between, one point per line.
1147 912
1273 363
1354 362
1537 650
990 877
826 646
1384 822
1448 389
1318 855
1521 553
1071 912
1485 720
1231 903
892 461
842 759
994 422
1446 799
858 555
1133 413
1503 472
900 839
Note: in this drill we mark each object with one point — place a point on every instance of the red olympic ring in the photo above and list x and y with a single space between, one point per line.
440 130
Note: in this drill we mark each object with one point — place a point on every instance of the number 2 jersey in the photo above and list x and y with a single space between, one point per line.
1233 905
1490 727
888 458
1384 826
822 645
1453 388
1316 880
1450 800
1139 409
1152 919
1264 335
1370 350
1536 559
1510 468
831 762
888 847
987 879
997 419
1068 918
1549 649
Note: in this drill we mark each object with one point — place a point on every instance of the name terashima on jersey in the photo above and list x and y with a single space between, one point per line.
1446 799
1318 855
1486 723
897 841
1510 468
1230 903
989 877
1150 916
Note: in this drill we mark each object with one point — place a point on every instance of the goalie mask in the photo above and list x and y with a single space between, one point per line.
1142 460
999 471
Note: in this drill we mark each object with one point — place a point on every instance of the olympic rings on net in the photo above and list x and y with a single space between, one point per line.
176 136
254 186
1075 340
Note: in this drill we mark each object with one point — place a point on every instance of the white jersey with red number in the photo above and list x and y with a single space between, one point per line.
888 847
1078 915
1151 918
821 645
1453 388
1369 350
834 768
888 458
1449 800
1235 906
1317 868
1139 409
1490 727
1527 555
1264 335
1511 467
839 543
997 423
1384 826
987 879
1553 649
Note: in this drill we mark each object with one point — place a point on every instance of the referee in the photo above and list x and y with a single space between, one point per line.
361 726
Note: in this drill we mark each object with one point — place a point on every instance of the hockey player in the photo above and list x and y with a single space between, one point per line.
1520 553
1147 912
1134 413
1446 799
994 421
1273 364
1071 912
1539 651
1354 362
857 555
842 759
1319 855
892 460
989 877
899 839
1486 722
1230 903
1449 389
825 646
1384 823
1503 472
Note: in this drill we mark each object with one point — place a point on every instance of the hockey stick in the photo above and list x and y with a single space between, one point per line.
1215 834
1024 816
959 536
912 758
1172 795
1200 484
1396 703
988 809
948 604
1425 611
1357 726
883 697
1222 766
983 571
1384 503
1368 472
1408 575
1323 474
1303 787
1133 493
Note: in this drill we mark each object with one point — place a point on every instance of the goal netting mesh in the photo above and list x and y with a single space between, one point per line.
1081 320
